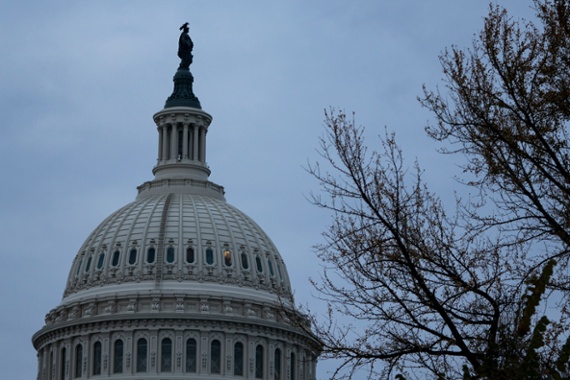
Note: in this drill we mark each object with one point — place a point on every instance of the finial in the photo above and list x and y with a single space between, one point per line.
185 46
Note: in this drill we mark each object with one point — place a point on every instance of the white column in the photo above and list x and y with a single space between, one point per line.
185 141
195 130
202 144
204 150
173 141
164 134
159 144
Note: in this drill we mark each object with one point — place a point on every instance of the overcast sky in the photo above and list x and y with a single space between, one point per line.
80 81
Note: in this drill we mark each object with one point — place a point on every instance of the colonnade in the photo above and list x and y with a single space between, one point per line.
180 142
182 352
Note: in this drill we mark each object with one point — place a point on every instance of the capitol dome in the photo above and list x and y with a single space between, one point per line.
178 242
178 284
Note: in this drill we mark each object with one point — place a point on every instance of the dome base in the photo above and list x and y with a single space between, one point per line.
181 186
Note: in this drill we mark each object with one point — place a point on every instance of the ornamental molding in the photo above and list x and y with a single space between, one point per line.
182 115
180 306
121 325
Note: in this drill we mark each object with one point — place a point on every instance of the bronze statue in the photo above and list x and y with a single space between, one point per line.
185 46
183 95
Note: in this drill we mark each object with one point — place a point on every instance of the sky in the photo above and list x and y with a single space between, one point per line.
80 81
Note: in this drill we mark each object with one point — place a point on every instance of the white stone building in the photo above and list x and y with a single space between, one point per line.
178 284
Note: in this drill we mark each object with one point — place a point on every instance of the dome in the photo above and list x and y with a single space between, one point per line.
179 243
177 284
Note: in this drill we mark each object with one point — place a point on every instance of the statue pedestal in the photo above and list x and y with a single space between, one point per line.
182 95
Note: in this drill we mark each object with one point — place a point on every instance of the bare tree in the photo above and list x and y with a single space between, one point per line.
414 291
506 109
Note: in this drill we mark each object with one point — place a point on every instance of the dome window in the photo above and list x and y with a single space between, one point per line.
238 359
141 354
133 256
101 260
190 255
150 255
62 360
216 357
277 365
258 264
227 257
88 266
170 255
115 258
97 358
118 356
293 365
78 360
209 256
191 355
166 355
79 267
270 266
259 362
244 262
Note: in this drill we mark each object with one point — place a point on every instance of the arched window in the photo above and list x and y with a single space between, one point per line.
238 359
115 259
191 355
50 364
97 358
78 360
293 366
259 362
79 267
88 266
101 260
277 365
216 357
150 255
270 264
170 255
118 348
133 256
209 256
166 355
189 255
244 263
62 365
142 348
227 257
258 264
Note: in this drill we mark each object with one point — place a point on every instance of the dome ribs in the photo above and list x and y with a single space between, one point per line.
160 252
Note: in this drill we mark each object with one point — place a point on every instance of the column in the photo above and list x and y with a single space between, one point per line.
195 130
204 150
160 142
164 129
202 144
173 141
185 141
